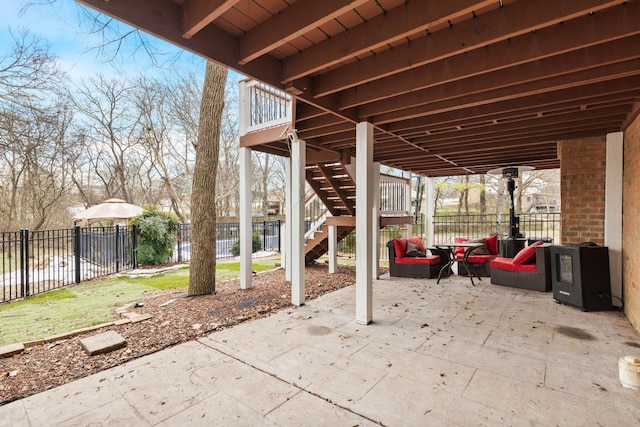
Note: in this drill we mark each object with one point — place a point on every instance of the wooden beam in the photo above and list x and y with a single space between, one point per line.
197 14
495 26
491 114
277 133
297 19
405 20
511 84
586 32
576 94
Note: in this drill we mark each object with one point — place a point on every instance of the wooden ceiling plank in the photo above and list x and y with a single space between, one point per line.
460 143
622 85
299 18
409 18
510 84
589 31
498 112
197 14
513 126
495 26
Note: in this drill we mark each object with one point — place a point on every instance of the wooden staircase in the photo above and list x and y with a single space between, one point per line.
333 184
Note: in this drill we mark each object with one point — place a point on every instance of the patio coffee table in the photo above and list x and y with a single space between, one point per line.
450 248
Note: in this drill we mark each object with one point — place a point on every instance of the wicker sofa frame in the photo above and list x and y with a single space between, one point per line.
417 271
540 280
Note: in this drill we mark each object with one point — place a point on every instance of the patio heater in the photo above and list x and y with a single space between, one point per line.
514 241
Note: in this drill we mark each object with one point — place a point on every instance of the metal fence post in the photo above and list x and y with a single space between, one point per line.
279 236
77 250
179 242
264 235
118 249
134 245
24 237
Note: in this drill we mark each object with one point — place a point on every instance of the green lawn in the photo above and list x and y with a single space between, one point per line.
92 303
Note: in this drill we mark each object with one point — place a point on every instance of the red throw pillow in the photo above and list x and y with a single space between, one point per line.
400 246
460 250
492 244
527 255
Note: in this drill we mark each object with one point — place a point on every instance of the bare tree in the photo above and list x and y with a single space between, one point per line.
110 122
202 279
27 72
151 98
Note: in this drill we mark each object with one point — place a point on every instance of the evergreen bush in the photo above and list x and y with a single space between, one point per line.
256 244
156 236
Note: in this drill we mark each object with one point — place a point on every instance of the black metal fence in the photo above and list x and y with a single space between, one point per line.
535 226
34 262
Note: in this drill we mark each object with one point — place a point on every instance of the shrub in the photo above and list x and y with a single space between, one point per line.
256 244
156 236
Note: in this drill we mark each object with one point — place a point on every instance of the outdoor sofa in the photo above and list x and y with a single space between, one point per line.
529 269
403 264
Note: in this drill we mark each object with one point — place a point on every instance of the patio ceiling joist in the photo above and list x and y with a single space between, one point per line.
405 21
292 22
197 14
496 26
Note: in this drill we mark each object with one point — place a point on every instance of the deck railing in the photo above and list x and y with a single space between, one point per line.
263 107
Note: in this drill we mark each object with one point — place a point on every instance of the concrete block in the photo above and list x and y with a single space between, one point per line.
11 349
102 343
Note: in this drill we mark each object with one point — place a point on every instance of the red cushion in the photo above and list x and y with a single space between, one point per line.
527 255
492 244
431 260
400 246
460 250
507 264
479 259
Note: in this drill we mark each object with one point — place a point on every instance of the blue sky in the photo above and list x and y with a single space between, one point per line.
60 24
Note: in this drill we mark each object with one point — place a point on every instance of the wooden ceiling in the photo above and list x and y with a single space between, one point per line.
452 87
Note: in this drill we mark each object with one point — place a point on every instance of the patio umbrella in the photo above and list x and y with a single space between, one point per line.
114 209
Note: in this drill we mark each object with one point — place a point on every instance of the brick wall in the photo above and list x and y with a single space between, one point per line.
631 224
582 189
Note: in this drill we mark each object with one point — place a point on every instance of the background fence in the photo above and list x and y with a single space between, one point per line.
38 261
536 226
43 260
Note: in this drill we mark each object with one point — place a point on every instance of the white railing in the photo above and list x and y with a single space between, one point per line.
263 107
395 195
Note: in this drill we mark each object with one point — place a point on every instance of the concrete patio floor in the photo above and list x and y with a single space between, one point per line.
447 354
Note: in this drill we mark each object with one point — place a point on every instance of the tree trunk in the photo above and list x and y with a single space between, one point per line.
202 278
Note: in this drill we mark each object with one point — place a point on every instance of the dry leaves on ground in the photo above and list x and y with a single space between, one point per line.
176 318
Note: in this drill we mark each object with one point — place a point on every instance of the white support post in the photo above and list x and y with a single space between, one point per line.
333 249
430 205
298 161
364 222
407 200
288 221
375 219
245 107
613 212
246 229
